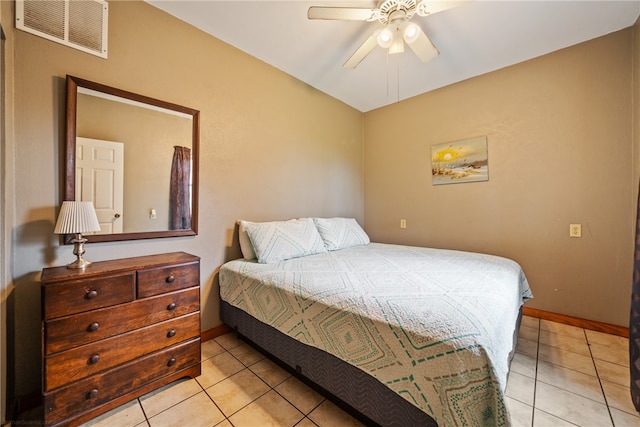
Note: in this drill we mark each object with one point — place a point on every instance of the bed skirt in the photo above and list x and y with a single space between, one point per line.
372 400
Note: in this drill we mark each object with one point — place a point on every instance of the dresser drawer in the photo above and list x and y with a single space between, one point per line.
76 296
81 362
72 331
165 279
96 390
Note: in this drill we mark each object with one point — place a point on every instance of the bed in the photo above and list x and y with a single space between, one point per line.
404 335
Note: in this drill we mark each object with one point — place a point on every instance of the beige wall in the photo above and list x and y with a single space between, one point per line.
271 148
560 151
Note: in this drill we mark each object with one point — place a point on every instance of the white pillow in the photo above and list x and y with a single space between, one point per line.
341 233
281 240
245 244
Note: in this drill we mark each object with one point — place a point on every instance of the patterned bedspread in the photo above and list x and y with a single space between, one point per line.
436 326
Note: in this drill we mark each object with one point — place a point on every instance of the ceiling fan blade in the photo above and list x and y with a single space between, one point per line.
341 13
364 49
422 47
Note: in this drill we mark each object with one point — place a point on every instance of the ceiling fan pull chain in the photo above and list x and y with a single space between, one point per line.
388 73
398 76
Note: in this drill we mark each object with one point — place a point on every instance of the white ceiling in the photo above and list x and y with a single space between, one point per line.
473 38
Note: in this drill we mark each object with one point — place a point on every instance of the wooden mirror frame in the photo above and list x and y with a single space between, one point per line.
73 83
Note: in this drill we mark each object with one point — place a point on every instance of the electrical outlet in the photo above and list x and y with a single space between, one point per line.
152 214
575 230
403 223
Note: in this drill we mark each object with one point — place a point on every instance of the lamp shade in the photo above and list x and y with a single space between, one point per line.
76 217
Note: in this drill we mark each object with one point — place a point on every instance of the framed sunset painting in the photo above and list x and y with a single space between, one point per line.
461 161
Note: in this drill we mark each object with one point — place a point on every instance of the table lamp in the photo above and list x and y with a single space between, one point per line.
77 218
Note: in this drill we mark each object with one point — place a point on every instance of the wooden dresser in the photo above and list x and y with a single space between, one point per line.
117 330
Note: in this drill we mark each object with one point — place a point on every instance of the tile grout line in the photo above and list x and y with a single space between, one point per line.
143 412
595 366
226 350
213 401
597 376
271 388
535 377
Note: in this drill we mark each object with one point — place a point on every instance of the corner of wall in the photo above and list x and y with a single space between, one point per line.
6 193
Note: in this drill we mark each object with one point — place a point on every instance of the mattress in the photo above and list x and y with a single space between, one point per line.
356 392
434 326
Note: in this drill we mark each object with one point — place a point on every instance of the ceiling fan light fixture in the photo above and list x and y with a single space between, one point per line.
385 38
411 32
395 16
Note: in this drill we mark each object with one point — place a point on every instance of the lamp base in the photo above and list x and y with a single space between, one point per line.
78 250
79 263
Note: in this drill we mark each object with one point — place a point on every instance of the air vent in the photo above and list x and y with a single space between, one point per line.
80 24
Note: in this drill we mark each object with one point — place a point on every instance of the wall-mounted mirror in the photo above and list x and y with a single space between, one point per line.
135 158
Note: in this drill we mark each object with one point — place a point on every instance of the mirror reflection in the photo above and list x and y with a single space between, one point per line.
135 159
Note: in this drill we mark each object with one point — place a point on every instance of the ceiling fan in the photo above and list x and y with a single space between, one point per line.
395 15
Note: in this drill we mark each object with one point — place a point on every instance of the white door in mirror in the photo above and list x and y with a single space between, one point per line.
100 179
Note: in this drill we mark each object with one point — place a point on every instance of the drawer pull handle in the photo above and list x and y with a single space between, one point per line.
171 306
94 359
93 327
171 361
170 279
92 294
92 394
171 333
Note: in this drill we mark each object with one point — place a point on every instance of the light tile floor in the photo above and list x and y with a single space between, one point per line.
560 376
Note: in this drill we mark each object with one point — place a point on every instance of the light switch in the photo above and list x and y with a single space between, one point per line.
575 230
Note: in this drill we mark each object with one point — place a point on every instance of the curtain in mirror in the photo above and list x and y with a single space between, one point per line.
180 194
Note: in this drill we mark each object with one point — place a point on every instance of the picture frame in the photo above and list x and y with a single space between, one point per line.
460 161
